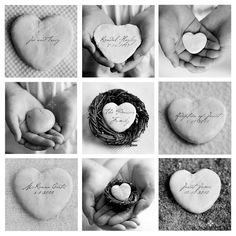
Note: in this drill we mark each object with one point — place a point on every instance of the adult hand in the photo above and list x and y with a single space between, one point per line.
145 22
140 173
93 16
18 103
174 21
64 107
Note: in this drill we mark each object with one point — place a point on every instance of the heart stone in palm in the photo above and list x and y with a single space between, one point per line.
42 44
121 192
119 118
117 42
197 121
194 43
195 192
43 194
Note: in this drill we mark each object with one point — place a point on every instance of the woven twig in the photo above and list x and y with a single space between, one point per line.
101 130
116 204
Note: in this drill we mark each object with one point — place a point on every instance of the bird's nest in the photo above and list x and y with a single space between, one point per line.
102 131
118 205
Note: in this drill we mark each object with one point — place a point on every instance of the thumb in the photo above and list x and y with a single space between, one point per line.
88 205
13 125
87 43
168 47
145 46
145 201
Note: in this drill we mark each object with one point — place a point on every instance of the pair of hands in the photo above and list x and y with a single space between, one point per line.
174 21
19 102
95 179
93 16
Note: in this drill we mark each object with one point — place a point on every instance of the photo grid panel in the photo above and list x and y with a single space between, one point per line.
130 131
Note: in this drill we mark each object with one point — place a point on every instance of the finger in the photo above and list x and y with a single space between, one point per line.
57 127
136 220
185 56
87 43
118 227
55 133
34 147
130 65
36 140
144 48
103 219
22 141
193 69
130 224
209 53
145 201
13 125
121 217
168 48
102 60
56 139
100 212
201 61
88 206
101 202
212 45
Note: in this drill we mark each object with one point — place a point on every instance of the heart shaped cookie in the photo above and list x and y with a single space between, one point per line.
194 43
119 118
195 192
197 121
42 44
43 194
117 42
121 192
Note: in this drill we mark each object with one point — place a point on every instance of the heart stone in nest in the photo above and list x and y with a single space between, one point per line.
121 195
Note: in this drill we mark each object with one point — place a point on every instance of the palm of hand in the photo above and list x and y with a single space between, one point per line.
105 217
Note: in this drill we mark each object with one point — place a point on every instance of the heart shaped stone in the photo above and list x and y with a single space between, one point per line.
197 121
42 44
119 118
195 192
117 42
194 43
121 192
43 194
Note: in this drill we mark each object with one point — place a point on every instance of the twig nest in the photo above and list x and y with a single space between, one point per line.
117 117
121 195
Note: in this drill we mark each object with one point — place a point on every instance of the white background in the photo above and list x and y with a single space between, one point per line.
79 80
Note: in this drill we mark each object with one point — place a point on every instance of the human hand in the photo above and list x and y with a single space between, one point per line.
145 22
93 16
140 173
64 108
219 23
18 103
174 21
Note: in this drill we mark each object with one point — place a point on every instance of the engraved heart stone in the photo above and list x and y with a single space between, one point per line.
195 192
43 194
119 118
194 43
197 121
121 192
117 42
42 44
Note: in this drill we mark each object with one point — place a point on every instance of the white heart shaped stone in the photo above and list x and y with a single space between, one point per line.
197 121
195 192
43 194
194 43
119 118
121 192
117 42
42 44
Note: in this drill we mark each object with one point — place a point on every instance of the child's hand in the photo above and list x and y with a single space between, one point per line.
174 21
93 16
64 108
18 103
145 22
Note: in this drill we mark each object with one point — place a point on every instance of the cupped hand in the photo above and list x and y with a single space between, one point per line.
174 21
18 103
140 173
64 108
145 22
93 16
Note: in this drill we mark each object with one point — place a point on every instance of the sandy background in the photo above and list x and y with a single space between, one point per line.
173 217
18 219
169 141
